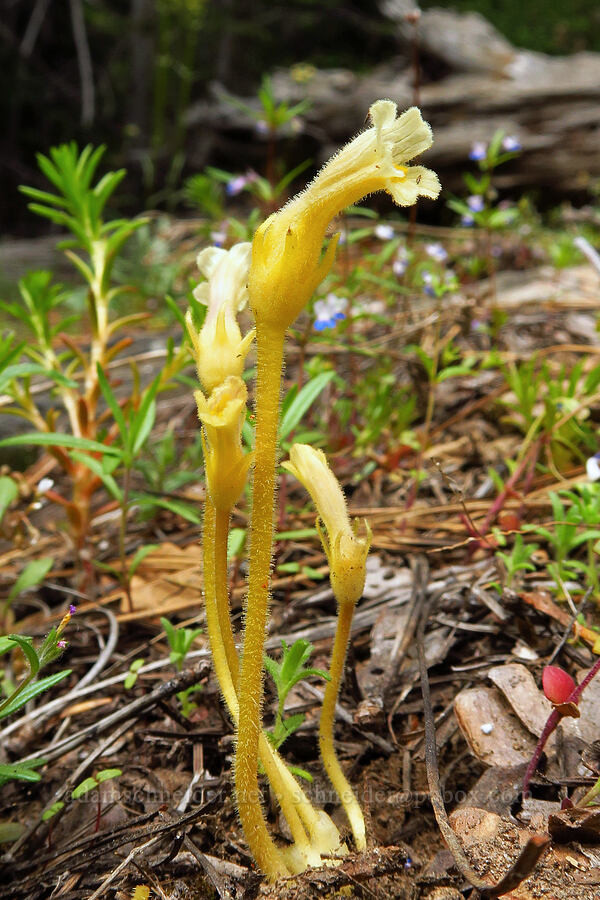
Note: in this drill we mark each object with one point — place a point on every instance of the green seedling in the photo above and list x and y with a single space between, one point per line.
132 675
180 642
81 790
517 560
286 674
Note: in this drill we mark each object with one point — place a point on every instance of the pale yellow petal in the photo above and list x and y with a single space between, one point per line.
383 113
208 259
410 135
418 182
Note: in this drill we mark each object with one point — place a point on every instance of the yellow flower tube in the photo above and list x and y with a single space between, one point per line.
347 556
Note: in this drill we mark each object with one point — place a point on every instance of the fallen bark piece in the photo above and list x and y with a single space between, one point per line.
518 686
493 732
575 825
493 843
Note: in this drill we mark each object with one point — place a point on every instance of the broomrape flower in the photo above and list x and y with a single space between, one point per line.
286 252
329 311
219 348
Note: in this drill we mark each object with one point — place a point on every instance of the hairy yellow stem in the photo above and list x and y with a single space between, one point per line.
268 380
330 760
226 664
221 592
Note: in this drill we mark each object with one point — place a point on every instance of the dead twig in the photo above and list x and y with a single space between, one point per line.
180 682
535 846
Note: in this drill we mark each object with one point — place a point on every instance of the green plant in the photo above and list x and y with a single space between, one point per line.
517 560
79 376
180 642
37 658
272 118
286 674
552 406
574 525
21 771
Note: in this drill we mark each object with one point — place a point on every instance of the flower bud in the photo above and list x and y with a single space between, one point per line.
346 551
222 416
219 348
557 685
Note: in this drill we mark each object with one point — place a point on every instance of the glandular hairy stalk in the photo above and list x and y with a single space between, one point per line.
268 384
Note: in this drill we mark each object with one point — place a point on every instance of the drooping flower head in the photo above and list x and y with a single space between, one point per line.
346 551
286 251
219 347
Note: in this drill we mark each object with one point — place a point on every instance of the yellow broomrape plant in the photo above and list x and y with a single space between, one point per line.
286 266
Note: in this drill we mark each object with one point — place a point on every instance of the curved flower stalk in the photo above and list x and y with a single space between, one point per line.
347 556
219 348
286 268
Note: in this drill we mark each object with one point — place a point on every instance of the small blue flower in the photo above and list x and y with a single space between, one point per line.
218 237
478 151
400 264
329 312
262 128
427 279
467 221
237 184
384 232
475 202
436 252
592 467
511 144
